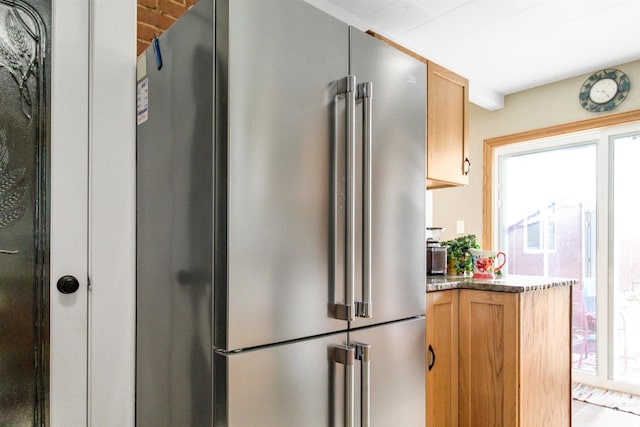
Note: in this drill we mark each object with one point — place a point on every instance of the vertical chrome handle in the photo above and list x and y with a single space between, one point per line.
348 395
351 199
345 355
365 92
362 354
347 86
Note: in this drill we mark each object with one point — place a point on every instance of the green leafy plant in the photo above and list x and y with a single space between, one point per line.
458 256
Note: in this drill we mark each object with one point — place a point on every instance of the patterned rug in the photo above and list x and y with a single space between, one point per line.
609 398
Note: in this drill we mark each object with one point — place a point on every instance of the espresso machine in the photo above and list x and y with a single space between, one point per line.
436 254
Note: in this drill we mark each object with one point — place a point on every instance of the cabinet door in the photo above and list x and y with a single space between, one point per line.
447 128
442 358
488 363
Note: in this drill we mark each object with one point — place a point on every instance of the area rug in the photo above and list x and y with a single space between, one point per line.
609 398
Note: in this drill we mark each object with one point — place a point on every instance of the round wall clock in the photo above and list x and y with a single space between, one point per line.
604 90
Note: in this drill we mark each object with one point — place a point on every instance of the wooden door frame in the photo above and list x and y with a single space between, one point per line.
491 144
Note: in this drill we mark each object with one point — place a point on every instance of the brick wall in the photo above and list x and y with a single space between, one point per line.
155 16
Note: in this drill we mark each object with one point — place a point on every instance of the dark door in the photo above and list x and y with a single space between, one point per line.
24 144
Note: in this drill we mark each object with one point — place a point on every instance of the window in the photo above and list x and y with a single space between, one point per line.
567 206
540 231
540 215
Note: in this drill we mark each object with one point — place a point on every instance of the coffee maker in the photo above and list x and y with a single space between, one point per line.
436 254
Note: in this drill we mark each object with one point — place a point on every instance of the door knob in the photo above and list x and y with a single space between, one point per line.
68 284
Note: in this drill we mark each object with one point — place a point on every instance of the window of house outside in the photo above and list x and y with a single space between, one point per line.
566 206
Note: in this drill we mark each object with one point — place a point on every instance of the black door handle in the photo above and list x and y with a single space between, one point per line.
467 163
433 357
68 284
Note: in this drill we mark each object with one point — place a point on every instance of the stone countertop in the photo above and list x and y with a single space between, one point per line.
511 283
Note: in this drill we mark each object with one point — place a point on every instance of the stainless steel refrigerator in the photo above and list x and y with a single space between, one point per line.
280 223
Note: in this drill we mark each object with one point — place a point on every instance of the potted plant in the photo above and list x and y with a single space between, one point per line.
458 256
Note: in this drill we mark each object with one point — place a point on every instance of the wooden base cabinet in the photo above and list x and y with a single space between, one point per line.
514 359
488 361
442 358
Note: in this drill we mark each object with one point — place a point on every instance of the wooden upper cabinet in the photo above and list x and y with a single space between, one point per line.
447 122
448 162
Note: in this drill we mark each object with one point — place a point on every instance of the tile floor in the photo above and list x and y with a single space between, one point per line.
588 415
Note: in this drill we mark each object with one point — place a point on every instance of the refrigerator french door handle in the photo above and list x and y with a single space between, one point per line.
345 355
364 308
362 354
347 87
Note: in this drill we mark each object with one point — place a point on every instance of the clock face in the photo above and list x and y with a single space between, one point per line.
604 90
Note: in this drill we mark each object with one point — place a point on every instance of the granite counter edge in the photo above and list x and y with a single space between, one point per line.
514 284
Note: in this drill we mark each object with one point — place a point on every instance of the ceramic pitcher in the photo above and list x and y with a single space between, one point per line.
484 263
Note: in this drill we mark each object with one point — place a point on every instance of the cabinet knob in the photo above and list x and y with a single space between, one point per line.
467 163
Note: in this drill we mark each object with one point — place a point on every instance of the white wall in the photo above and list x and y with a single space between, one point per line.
540 107
112 213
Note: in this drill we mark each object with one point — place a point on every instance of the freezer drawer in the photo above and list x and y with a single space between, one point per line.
295 384
396 374
323 381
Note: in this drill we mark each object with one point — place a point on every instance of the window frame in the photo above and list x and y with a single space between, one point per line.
605 127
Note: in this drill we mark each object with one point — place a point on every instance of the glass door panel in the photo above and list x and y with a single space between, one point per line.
547 212
625 258
23 212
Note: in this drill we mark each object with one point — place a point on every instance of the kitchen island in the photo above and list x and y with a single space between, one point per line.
499 351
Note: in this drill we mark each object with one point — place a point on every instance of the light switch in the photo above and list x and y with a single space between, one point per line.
460 226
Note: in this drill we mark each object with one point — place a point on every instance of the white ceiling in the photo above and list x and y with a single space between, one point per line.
504 46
